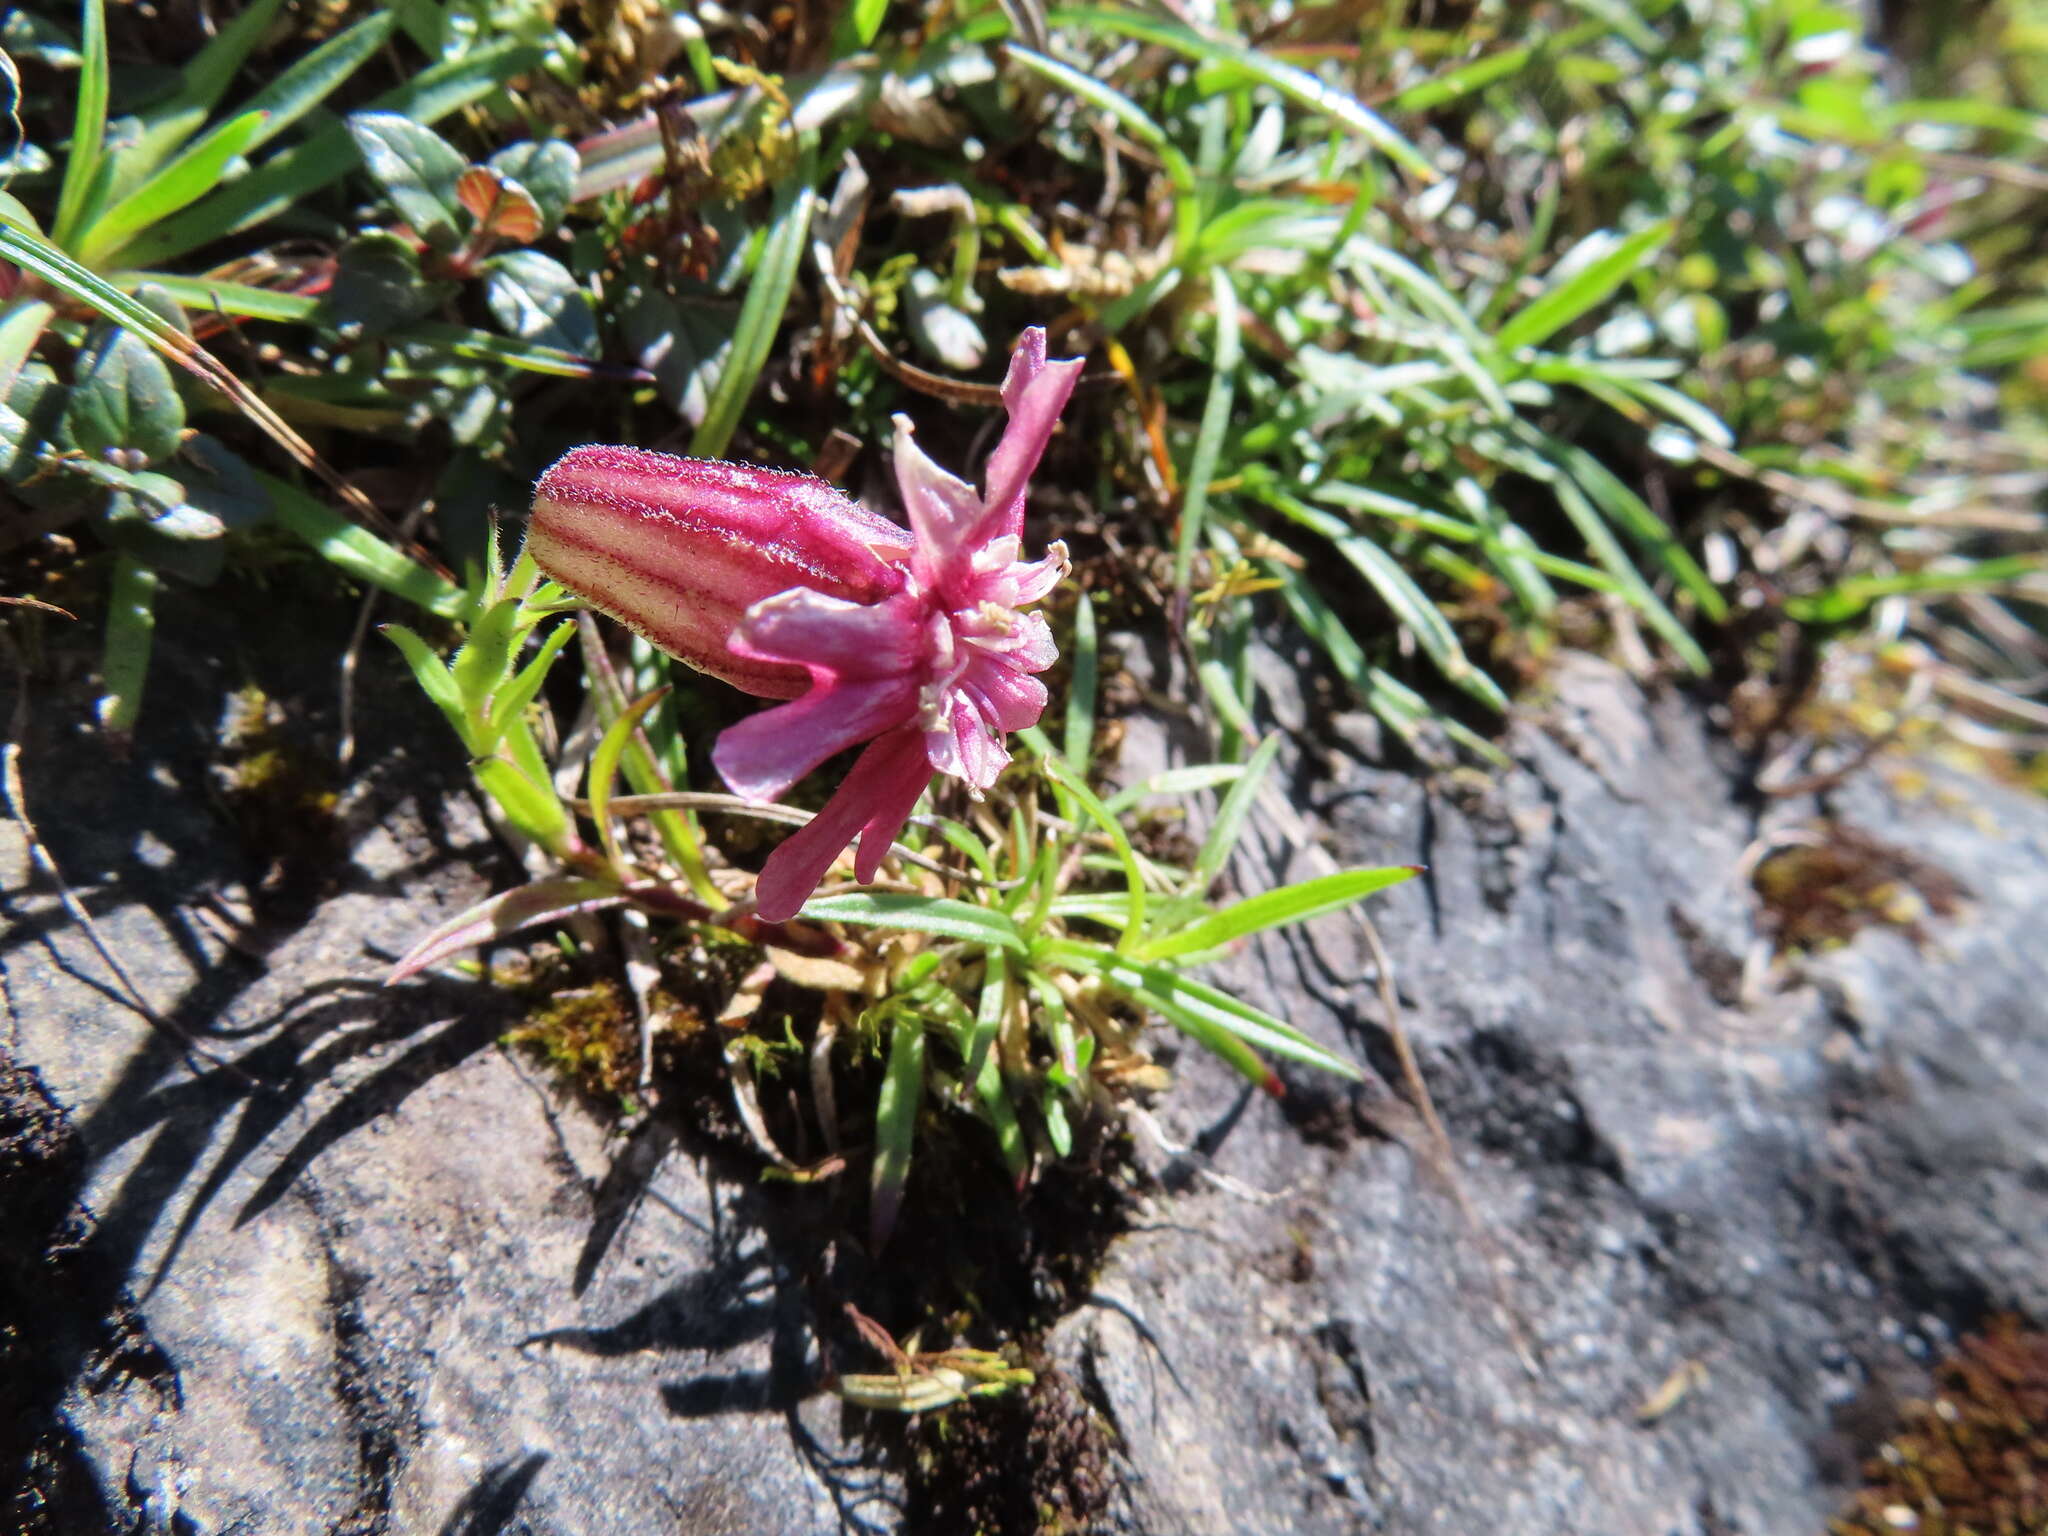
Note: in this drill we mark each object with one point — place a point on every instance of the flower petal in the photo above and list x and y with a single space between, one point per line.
1035 391
831 636
761 756
873 803
944 512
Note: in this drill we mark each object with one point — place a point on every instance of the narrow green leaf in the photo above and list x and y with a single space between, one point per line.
1567 298
1080 731
361 553
1182 997
988 1013
920 914
1129 115
1464 79
1231 816
896 1124
604 769
185 180
130 636
1271 909
431 673
1847 600
1649 531
1097 812
88 130
1297 85
1410 606
760 312
516 697
1215 424
167 126
328 153
312 79
1175 781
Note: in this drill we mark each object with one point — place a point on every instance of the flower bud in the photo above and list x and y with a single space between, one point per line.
679 549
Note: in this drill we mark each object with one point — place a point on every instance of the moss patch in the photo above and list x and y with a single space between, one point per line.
1973 1459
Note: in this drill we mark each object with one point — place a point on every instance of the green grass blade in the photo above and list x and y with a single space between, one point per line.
361 553
1215 424
1636 519
604 766
1847 600
1272 909
1221 842
1297 85
1411 607
1608 551
312 79
130 636
1079 740
167 126
1127 857
88 131
1175 781
1162 987
918 914
896 1124
1464 79
760 313
328 153
1567 298
184 181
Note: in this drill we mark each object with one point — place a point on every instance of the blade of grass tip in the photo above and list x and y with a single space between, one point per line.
1097 812
896 1124
1081 681
186 179
760 313
203 81
327 154
362 554
89 127
1194 505
1297 85
1301 902
1410 606
1230 818
130 636
1567 298
1133 119
1607 550
1231 707
604 769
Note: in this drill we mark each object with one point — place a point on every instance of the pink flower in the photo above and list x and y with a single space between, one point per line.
916 643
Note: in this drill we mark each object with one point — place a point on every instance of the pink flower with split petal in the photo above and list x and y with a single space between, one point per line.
916 643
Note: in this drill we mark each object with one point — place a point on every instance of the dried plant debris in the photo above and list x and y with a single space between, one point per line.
1837 880
1973 1460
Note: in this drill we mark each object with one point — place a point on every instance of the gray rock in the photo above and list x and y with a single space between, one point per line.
392 1285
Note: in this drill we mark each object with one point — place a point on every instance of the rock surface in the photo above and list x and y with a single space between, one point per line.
376 1284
